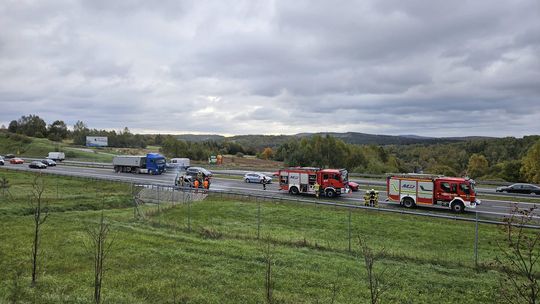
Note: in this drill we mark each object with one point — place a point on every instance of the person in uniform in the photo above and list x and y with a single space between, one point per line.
317 189
371 198
206 184
196 185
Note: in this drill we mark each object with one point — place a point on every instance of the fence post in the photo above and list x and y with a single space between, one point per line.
349 230
476 242
189 215
258 220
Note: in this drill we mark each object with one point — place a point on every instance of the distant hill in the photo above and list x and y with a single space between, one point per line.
261 141
200 137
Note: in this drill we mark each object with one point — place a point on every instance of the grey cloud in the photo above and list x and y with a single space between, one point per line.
431 68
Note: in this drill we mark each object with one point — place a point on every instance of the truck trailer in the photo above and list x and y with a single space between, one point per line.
56 156
152 163
410 190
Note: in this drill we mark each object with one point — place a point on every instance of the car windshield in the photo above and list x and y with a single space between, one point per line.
160 161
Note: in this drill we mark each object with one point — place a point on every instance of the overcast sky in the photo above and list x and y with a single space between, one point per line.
433 68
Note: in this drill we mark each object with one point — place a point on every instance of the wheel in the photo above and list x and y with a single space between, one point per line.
294 191
458 207
331 193
408 202
247 180
116 169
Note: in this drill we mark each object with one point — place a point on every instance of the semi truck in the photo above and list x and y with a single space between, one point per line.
152 163
410 190
331 182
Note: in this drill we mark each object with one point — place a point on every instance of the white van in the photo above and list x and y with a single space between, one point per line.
180 163
56 156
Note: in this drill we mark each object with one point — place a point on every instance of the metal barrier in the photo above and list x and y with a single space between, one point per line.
131 180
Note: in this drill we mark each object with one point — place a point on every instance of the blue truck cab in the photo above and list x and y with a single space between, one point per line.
155 163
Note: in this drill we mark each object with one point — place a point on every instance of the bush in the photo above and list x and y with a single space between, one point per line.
70 154
239 154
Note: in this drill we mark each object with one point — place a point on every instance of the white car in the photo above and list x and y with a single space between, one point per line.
256 177
1 161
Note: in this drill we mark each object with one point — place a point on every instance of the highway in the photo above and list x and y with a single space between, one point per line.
489 206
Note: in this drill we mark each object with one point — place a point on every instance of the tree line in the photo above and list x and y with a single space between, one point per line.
509 158
35 126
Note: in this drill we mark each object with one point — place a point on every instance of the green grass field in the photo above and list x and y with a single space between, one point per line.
40 147
220 260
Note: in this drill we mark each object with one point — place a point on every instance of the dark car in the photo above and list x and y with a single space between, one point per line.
194 171
49 162
9 156
37 165
520 188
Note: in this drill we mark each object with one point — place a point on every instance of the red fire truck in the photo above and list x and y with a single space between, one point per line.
427 190
332 182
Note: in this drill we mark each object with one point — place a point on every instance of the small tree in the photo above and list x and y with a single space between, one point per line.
519 261
267 153
531 164
375 279
478 165
100 246
4 184
40 210
268 258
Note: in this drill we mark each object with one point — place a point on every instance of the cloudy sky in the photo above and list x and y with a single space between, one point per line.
434 68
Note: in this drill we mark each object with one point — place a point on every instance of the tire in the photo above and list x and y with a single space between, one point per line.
294 191
330 193
116 169
247 180
457 207
408 202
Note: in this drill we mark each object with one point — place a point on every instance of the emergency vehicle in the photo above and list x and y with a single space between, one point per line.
412 190
332 182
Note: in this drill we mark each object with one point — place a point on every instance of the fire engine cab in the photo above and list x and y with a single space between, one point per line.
412 190
332 182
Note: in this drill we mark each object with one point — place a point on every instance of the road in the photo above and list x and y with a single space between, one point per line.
489 207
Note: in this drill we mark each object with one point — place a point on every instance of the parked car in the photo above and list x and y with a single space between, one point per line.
1 161
520 188
49 162
37 165
354 186
193 171
16 160
256 177
9 156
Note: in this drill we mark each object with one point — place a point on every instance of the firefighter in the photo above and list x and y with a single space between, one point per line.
371 198
199 177
263 181
366 198
317 189
196 185
206 185
180 181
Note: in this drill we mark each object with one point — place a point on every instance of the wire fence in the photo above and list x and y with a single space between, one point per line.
321 225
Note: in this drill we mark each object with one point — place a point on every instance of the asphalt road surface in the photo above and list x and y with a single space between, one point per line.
489 206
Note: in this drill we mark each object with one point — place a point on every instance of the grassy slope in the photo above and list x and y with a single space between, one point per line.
40 147
431 261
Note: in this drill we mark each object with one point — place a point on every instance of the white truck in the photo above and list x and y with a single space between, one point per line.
180 163
56 156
